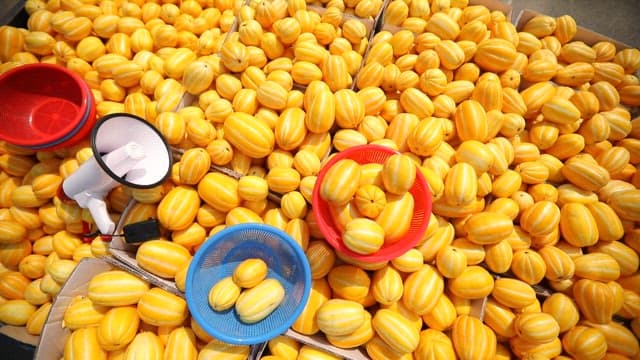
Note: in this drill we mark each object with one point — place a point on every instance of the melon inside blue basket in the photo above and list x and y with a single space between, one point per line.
218 257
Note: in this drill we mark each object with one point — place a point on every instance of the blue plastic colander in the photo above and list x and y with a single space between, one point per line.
217 258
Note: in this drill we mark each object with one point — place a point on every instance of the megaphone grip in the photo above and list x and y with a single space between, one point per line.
124 158
100 215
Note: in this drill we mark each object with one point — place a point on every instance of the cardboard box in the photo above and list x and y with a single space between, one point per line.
583 34
52 339
320 8
381 26
19 333
490 4
51 343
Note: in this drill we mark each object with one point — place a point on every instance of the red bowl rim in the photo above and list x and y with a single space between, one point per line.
84 110
333 237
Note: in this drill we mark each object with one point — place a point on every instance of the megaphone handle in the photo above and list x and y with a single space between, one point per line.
100 215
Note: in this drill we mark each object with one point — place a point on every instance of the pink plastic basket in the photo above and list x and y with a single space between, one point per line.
422 207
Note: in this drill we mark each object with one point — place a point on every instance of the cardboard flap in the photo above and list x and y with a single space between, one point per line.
20 334
51 345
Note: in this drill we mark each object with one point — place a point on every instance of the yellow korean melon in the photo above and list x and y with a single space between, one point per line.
162 257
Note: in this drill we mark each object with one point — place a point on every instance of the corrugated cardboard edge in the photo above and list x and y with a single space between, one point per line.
583 34
51 345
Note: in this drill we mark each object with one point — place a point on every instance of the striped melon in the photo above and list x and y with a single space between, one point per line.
474 283
145 345
181 344
249 135
161 257
537 328
338 317
422 289
82 312
349 282
396 331
219 191
258 302
472 339
159 307
116 288
341 181
442 316
118 327
83 344
178 209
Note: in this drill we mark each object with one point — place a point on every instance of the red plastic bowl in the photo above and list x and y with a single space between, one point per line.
422 207
45 107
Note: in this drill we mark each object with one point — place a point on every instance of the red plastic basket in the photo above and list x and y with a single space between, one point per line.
45 107
365 154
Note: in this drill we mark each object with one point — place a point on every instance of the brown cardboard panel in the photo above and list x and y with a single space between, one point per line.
588 36
19 333
52 339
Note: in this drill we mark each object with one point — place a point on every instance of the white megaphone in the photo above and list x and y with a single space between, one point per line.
127 150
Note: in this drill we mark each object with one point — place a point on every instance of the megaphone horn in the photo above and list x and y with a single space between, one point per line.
127 150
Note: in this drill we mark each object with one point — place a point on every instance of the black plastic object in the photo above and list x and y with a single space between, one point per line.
141 231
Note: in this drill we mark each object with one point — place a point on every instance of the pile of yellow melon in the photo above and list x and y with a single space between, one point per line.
526 136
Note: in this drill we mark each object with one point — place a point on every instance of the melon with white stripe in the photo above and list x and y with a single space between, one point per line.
118 328
363 236
396 216
145 345
83 344
83 312
398 174
159 307
396 330
178 208
116 288
181 344
161 257
338 317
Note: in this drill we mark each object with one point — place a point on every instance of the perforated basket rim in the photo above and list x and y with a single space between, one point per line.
301 259
331 234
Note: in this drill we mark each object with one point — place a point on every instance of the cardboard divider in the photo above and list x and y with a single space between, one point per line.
583 34
52 339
